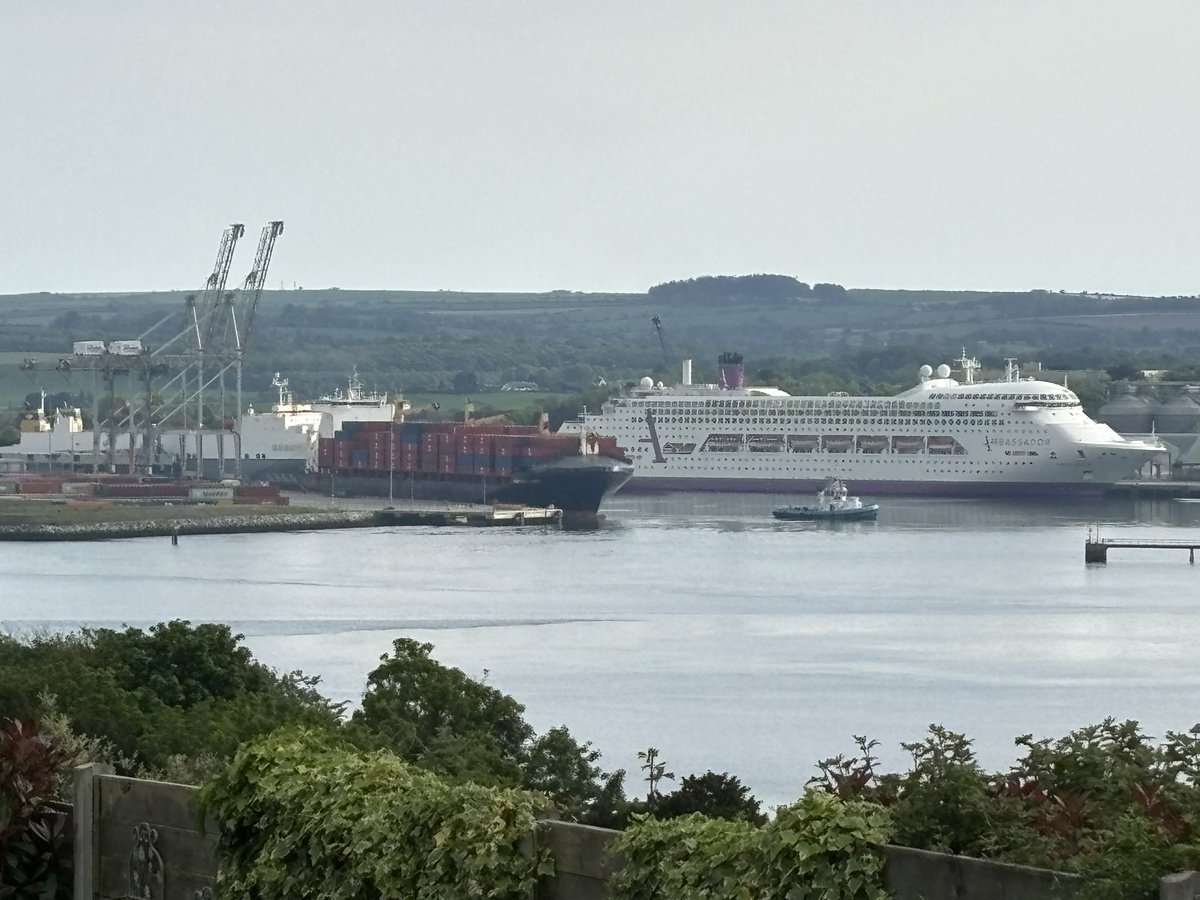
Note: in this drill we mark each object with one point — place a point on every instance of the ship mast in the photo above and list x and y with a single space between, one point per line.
969 366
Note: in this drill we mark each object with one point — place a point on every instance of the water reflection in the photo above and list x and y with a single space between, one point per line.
731 512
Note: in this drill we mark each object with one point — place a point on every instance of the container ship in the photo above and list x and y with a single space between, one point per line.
351 443
943 436
469 462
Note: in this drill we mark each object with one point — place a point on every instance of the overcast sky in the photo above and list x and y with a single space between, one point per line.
602 145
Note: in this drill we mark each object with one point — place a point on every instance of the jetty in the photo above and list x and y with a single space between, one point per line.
1096 549
90 522
479 515
1160 488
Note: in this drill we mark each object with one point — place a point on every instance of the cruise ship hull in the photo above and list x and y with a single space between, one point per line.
967 489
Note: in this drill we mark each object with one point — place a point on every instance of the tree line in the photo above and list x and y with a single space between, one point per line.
722 288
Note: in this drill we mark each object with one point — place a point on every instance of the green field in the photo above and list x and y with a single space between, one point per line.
501 401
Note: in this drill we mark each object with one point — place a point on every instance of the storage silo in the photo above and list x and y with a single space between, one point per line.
1180 414
1128 412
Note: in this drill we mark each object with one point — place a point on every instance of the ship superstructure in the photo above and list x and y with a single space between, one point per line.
942 436
285 439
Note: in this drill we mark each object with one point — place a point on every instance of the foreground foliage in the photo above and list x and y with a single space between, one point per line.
175 702
301 817
175 691
1103 802
30 834
439 718
821 847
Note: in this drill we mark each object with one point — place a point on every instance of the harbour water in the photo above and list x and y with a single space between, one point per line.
699 625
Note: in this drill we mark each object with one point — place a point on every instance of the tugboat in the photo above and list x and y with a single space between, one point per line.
833 503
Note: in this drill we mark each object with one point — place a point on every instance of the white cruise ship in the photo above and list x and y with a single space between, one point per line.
942 436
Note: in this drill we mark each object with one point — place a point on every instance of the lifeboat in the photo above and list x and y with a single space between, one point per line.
872 443
803 443
836 443
942 444
908 444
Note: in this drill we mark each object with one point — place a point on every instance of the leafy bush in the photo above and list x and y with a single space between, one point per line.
439 718
175 691
1103 802
942 801
30 834
821 847
303 818
719 796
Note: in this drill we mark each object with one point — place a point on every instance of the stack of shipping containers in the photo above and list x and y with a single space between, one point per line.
446 449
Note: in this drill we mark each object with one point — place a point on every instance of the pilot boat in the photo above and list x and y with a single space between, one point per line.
833 502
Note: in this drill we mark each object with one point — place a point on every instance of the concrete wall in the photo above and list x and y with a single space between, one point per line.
136 838
921 875
584 862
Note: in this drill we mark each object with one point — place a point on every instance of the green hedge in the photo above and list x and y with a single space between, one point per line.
302 818
820 848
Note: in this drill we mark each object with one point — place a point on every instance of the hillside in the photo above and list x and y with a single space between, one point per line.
419 342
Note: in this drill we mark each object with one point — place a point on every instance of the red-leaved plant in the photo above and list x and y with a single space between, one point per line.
30 834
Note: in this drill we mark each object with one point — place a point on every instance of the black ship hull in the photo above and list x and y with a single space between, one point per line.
574 484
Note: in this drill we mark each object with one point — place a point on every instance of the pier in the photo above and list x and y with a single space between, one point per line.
1096 549
1156 489
468 514
22 519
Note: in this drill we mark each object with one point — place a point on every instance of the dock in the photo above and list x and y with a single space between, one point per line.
479 515
90 521
1157 489
1096 549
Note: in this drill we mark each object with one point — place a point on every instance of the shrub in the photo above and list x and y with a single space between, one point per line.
30 834
303 818
821 847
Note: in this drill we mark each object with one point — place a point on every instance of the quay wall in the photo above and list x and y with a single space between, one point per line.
236 524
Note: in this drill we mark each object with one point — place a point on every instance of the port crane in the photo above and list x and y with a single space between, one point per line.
662 341
245 303
211 341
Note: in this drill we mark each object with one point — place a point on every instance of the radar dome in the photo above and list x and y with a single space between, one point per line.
659 385
925 371
647 382
943 371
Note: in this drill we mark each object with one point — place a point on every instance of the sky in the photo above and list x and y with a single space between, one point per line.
602 145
